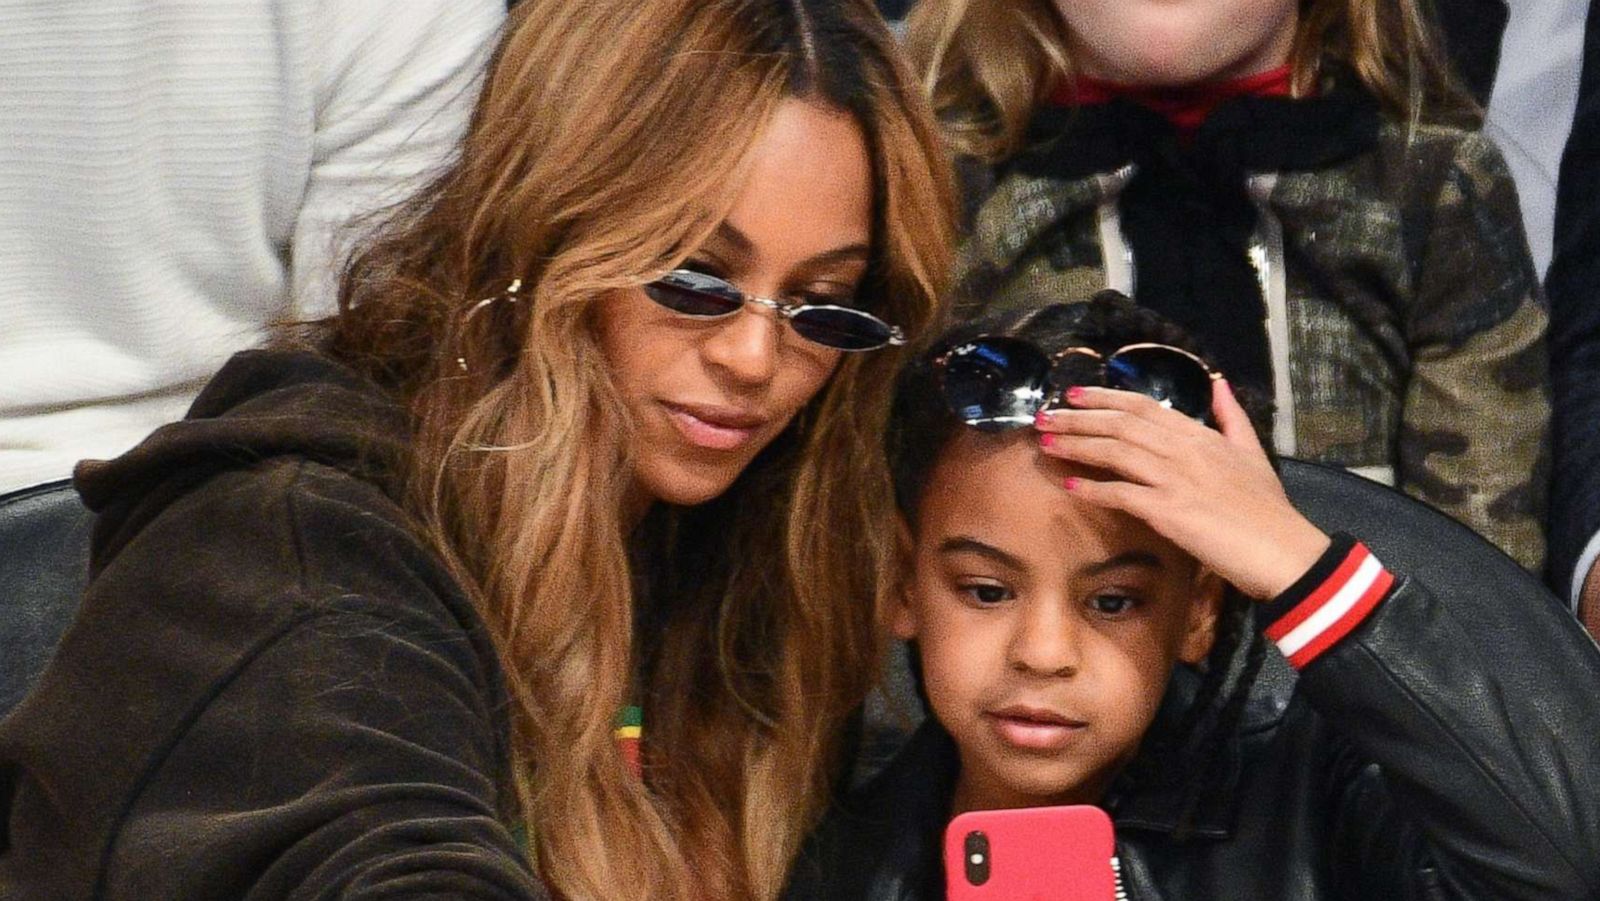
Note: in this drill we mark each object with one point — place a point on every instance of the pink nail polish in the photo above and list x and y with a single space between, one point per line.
1047 439
1071 483
1074 393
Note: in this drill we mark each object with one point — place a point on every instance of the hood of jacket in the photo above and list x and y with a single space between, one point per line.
262 405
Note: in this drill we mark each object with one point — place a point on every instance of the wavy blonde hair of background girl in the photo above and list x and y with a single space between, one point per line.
607 144
988 63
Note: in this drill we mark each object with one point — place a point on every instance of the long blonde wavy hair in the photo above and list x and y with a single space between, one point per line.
608 143
988 63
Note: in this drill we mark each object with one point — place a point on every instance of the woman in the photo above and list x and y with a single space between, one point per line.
595 428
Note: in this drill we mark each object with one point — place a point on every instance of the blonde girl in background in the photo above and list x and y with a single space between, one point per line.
1297 183
595 435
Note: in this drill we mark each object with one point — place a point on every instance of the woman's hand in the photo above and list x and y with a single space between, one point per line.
1212 492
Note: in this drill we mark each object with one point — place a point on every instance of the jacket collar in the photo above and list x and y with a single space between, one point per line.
263 404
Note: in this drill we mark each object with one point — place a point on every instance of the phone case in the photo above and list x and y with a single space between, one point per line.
1030 854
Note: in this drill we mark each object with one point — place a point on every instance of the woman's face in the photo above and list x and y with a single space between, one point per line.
707 396
1177 42
1047 628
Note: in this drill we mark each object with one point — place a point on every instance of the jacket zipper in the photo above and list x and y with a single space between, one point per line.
1116 870
1266 254
1115 251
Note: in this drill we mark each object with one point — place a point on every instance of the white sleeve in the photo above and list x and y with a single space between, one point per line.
1586 562
394 90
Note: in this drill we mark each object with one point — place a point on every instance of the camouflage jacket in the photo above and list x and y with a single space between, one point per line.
1403 314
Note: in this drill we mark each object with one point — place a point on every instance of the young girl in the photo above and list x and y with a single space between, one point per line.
1106 607
597 427
1290 181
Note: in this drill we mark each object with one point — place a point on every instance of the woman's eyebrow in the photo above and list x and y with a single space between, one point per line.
1143 559
963 544
850 253
740 243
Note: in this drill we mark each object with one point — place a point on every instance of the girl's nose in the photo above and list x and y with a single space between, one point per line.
1046 639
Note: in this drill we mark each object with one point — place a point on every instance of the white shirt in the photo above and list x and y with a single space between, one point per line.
174 175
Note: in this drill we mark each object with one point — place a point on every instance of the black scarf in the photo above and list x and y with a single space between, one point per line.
1187 212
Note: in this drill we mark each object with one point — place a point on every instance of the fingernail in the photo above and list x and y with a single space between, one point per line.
1041 418
1074 393
1071 482
1047 439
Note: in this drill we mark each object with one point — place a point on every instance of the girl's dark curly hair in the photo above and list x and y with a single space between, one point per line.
922 425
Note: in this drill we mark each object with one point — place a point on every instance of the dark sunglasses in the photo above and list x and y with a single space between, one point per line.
708 297
995 383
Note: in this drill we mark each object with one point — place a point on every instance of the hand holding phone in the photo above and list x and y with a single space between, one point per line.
1030 854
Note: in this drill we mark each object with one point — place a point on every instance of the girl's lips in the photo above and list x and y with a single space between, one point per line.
712 428
1032 729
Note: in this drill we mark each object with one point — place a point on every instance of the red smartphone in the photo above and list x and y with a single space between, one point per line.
1030 854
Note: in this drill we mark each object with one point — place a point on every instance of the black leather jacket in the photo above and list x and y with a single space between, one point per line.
1431 754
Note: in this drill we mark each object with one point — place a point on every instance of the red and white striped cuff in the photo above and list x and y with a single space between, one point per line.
1334 607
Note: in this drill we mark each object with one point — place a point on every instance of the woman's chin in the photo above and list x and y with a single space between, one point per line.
686 486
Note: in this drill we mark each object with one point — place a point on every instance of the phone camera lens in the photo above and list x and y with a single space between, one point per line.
976 846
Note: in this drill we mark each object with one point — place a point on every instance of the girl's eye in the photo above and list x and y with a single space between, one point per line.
986 594
1112 604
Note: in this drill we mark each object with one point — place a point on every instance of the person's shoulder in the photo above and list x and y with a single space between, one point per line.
284 539
341 540
1428 158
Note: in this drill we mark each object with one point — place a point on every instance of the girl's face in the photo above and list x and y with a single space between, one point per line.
1178 42
706 396
1047 628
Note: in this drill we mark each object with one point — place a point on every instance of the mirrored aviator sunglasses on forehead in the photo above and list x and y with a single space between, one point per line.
994 383
702 296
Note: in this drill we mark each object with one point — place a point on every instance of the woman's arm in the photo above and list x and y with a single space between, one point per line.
271 691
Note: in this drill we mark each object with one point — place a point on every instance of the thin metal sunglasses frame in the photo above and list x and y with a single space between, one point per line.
788 309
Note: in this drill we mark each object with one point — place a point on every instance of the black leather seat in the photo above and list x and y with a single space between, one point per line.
44 565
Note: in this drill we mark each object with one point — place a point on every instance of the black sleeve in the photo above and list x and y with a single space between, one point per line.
1475 724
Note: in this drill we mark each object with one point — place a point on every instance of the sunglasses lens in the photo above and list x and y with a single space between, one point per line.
841 328
1170 377
995 383
694 294
1074 370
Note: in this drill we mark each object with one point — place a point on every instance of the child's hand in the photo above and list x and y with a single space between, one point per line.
1212 493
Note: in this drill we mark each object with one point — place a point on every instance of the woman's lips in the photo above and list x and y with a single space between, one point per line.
713 428
1032 728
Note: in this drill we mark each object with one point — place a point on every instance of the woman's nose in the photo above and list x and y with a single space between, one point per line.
746 345
1046 640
